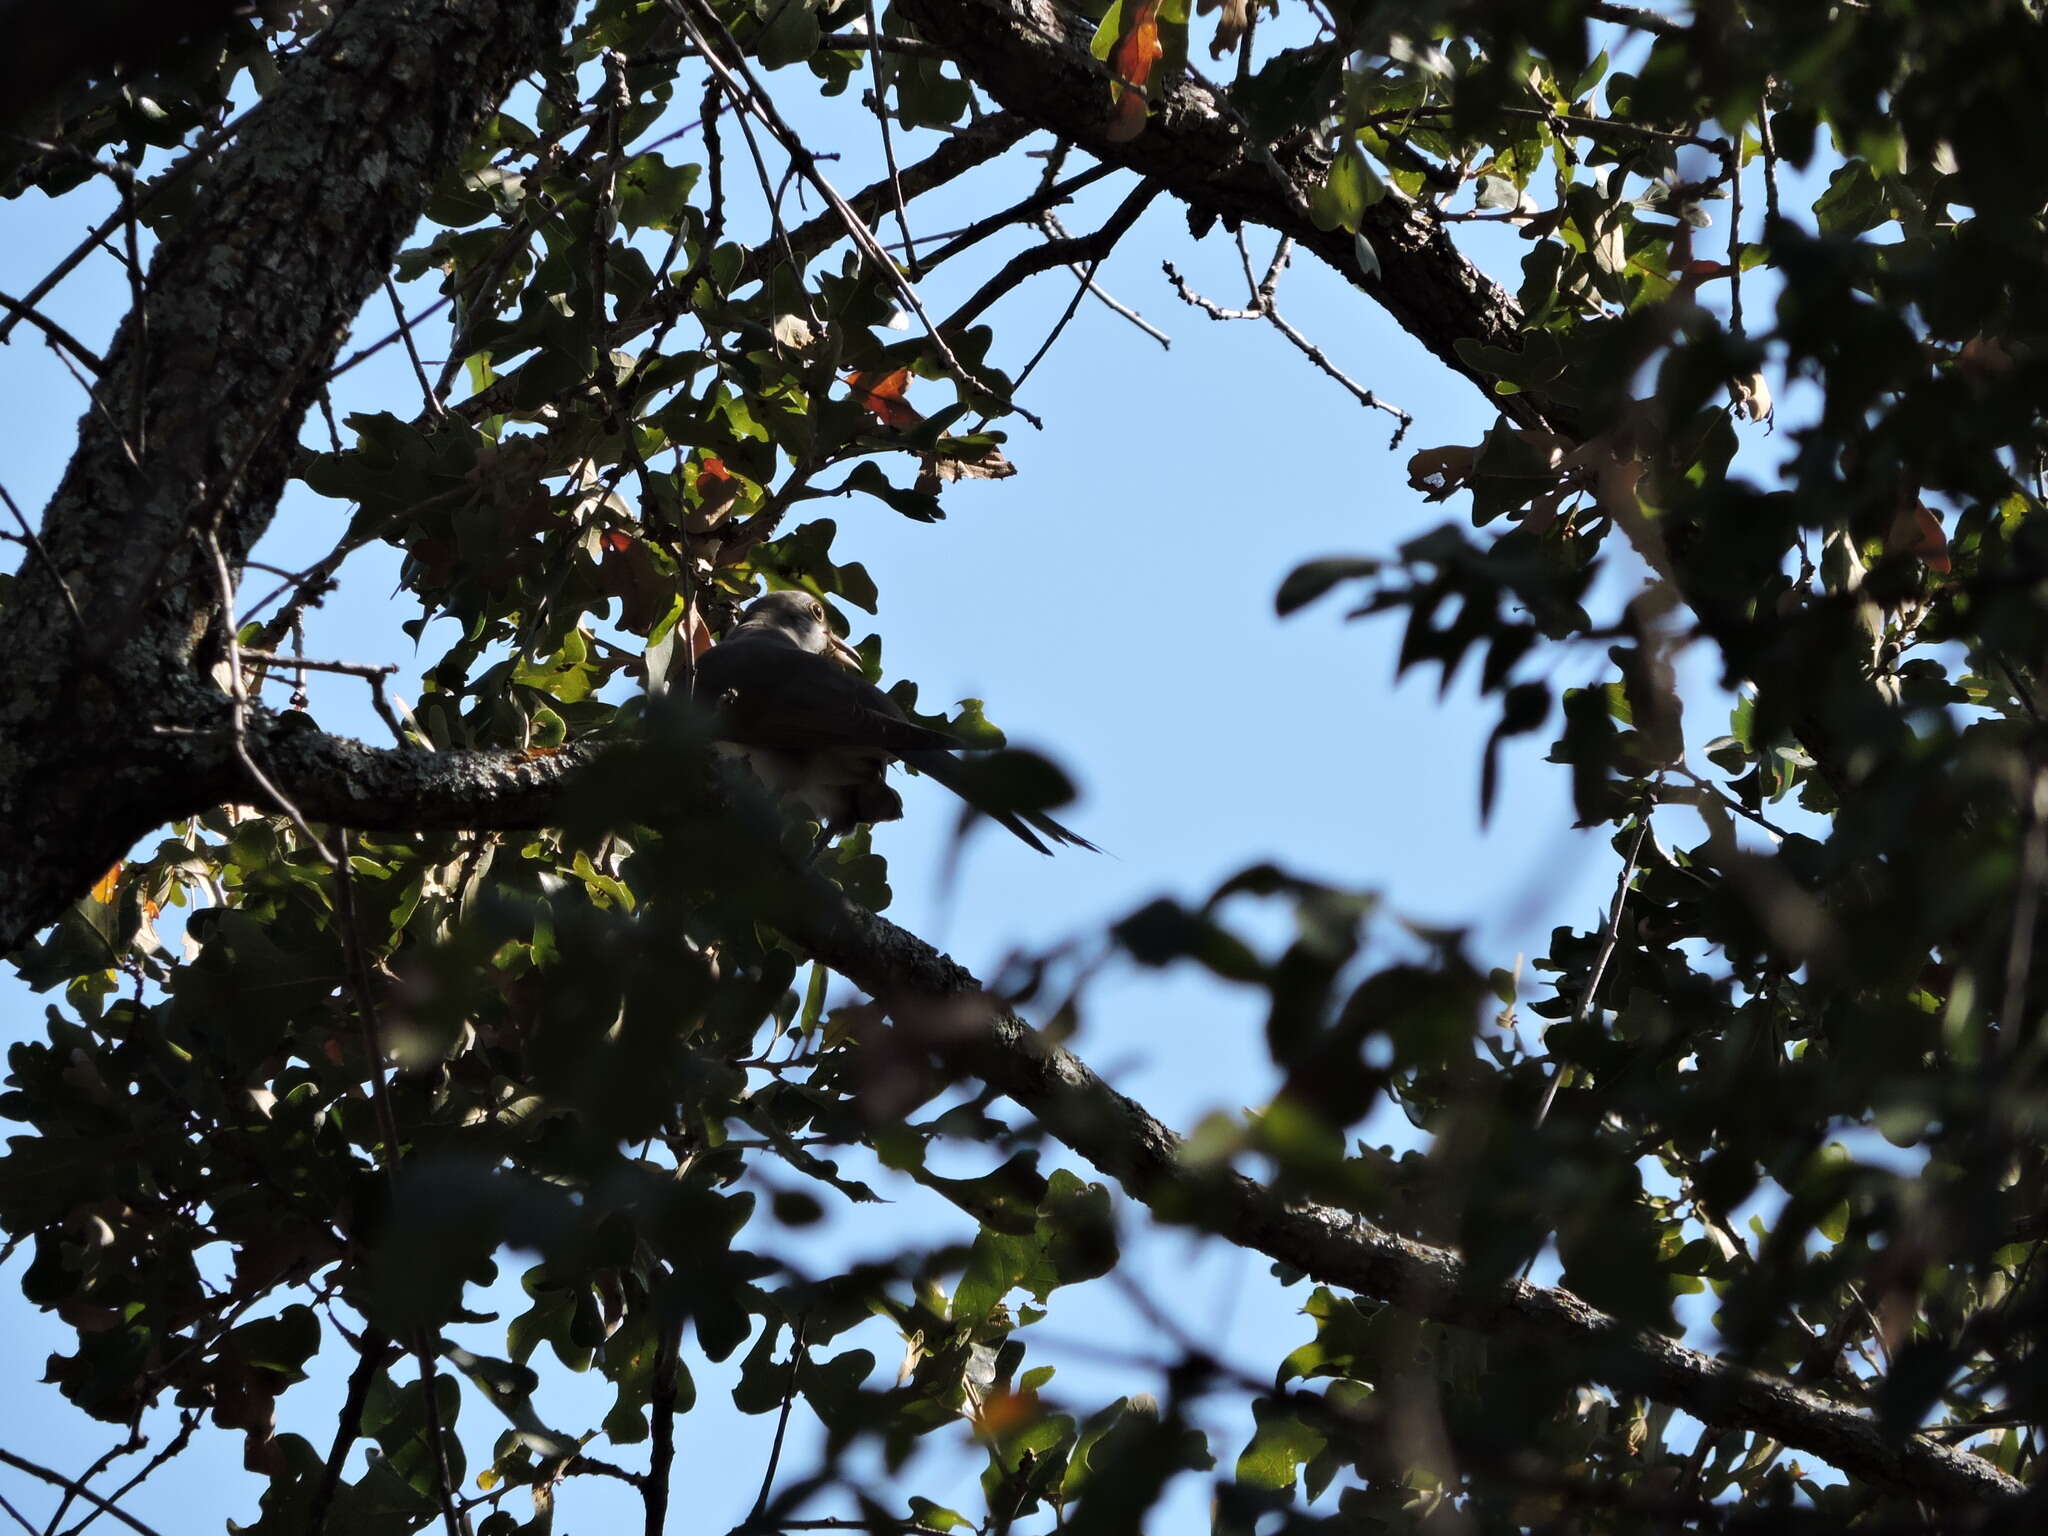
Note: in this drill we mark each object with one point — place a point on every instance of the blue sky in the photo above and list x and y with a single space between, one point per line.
1112 603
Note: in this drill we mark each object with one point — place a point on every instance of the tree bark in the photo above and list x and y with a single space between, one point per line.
107 724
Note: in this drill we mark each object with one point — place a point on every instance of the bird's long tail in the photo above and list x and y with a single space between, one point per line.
1026 824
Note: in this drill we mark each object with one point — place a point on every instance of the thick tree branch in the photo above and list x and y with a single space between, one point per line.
245 306
942 1007
1032 56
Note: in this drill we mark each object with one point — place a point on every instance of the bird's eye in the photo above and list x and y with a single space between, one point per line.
817 610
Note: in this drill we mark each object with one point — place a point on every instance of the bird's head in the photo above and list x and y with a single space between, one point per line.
798 619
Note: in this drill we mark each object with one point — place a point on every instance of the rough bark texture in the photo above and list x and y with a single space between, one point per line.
196 418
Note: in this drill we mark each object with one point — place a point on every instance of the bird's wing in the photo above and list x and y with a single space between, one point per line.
770 694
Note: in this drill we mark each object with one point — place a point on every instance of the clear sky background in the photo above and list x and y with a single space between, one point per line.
1112 603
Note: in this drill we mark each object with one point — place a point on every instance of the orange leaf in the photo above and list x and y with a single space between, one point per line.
884 396
1131 61
103 892
1004 1412
1926 539
1139 48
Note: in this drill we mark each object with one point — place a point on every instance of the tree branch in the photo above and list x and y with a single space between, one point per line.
943 1009
1032 56
246 304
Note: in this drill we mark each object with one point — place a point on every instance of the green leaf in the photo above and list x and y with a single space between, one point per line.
789 33
1351 187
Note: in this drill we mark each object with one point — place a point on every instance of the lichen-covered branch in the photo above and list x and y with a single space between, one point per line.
196 421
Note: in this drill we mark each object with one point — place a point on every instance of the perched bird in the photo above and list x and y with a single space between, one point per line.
790 698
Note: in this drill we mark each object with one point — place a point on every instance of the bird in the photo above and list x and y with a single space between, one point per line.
790 697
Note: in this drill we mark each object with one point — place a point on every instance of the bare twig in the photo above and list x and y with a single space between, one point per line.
419 369
17 1516
139 370
170 178
100 1464
1583 1009
746 92
796 1360
22 309
1054 230
35 542
1769 138
398 333
59 1480
1127 213
1264 308
873 42
889 148
374 676
348 1427
1089 248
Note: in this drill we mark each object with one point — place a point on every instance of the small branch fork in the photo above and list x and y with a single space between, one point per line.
747 95
1264 307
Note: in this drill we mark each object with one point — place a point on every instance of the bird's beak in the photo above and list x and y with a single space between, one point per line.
844 654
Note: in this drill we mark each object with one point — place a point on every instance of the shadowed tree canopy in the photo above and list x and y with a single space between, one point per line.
336 1029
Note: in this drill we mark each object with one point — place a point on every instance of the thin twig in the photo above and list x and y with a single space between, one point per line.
374 676
796 1360
170 178
348 1428
1769 138
100 1464
419 369
120 433
1127 213
21 309
58 1479
35 542
1264 308
238 699
139 369
889 149
19 1518
1583 1009
751 98
1635 16
399 332
188 1421
1054 230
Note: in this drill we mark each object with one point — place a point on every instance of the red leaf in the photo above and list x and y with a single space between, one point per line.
1131 61
1929 542
884 396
